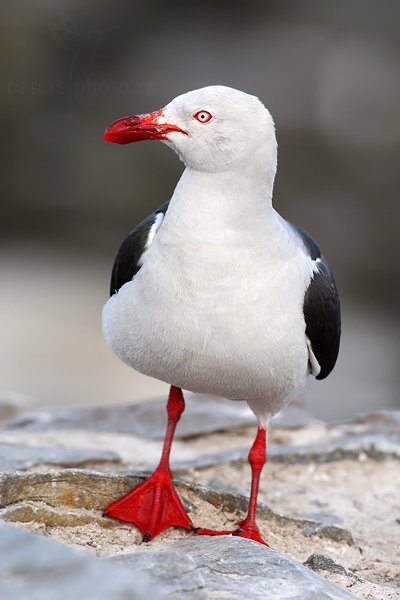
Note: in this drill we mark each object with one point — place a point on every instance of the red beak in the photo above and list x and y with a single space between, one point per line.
140 127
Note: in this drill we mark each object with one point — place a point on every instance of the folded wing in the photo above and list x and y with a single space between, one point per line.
134 247
321 311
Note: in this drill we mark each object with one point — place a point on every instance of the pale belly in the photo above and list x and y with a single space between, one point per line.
235 335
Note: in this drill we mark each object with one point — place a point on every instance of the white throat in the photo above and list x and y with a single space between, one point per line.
238 200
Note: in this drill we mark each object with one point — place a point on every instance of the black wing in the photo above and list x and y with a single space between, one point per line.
128 260
321 309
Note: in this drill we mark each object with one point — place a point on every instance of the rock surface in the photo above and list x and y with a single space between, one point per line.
38 568
33 566
321 496
148 419
29 496
18 456
322 562
230 568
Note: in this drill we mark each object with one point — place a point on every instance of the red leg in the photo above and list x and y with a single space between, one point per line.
248 527
154 505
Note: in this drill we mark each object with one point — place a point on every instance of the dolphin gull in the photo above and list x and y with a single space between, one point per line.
215 292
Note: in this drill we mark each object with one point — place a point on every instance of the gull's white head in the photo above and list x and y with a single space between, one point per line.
215 128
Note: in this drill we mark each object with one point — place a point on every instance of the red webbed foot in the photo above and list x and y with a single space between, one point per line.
249 530
248 527
244 530
153 506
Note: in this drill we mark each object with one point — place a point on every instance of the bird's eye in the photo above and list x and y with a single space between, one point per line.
203 116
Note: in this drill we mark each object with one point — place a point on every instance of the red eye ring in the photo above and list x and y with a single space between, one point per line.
203 116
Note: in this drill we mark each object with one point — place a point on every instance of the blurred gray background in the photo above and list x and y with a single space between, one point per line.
328 72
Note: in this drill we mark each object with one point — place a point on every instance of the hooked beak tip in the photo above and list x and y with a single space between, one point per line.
106 137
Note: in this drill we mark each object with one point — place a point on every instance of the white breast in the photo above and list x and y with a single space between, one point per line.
217 309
